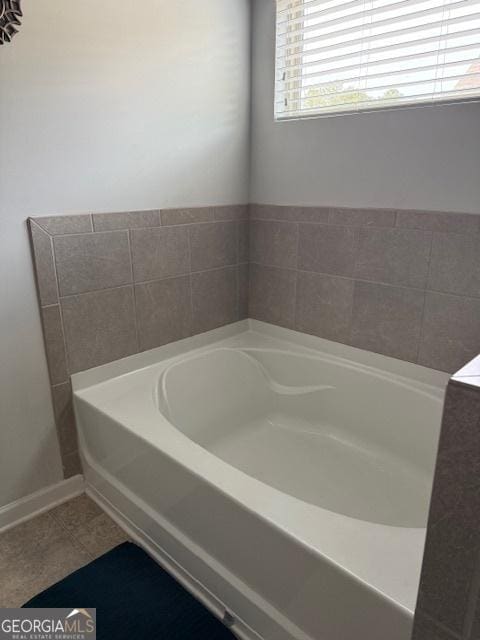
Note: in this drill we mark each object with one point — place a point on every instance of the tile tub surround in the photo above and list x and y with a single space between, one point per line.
449 595
113 284
402 283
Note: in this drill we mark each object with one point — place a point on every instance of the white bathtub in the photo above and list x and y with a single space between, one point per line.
283 478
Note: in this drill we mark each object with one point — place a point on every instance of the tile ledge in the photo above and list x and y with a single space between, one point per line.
470 369
470 382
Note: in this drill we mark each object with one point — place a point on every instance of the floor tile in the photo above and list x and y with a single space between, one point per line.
99 535
35 555
40 552
76 513
29 537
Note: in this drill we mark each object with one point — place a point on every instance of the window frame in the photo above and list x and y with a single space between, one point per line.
294 60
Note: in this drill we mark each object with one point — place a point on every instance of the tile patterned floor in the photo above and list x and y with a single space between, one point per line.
42 551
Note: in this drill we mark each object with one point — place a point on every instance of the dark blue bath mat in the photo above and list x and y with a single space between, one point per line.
135 600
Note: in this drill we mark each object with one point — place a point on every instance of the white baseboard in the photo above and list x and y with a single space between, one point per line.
40 501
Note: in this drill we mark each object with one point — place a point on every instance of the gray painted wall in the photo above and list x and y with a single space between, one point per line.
105 107
424 158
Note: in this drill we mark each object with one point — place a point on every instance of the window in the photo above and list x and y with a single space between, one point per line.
341 56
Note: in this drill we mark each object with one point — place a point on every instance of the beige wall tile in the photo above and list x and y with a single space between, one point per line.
242 281
72 464
327 249
187 216
58 225
427 629
272 295
99 327
324 306
450 333
455 264
243 242
213 245
274 243
163 311
44 265
125 220
64 418
232 212
288 213
453 536
159 253
393 256
214 299
362 217
88 262
387 319
439 221
54 344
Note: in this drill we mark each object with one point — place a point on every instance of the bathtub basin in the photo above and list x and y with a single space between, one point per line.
285 479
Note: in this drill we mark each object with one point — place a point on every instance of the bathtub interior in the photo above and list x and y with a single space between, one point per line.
345 438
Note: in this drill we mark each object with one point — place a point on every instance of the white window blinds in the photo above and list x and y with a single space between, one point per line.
337 56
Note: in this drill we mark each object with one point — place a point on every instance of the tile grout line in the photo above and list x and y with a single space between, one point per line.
360 225
237 281
439 625
266 220
63 456
135 319
354 282
377 282
427 280
31 225
237 231
356 252
295 284
60 384
69 533
237 269
49 306
62 324
190 279
327 209
54 261
229 266
311 223
96 232
392 210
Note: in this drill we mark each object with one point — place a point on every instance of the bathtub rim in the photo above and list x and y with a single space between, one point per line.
432 391
145 361
302 341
